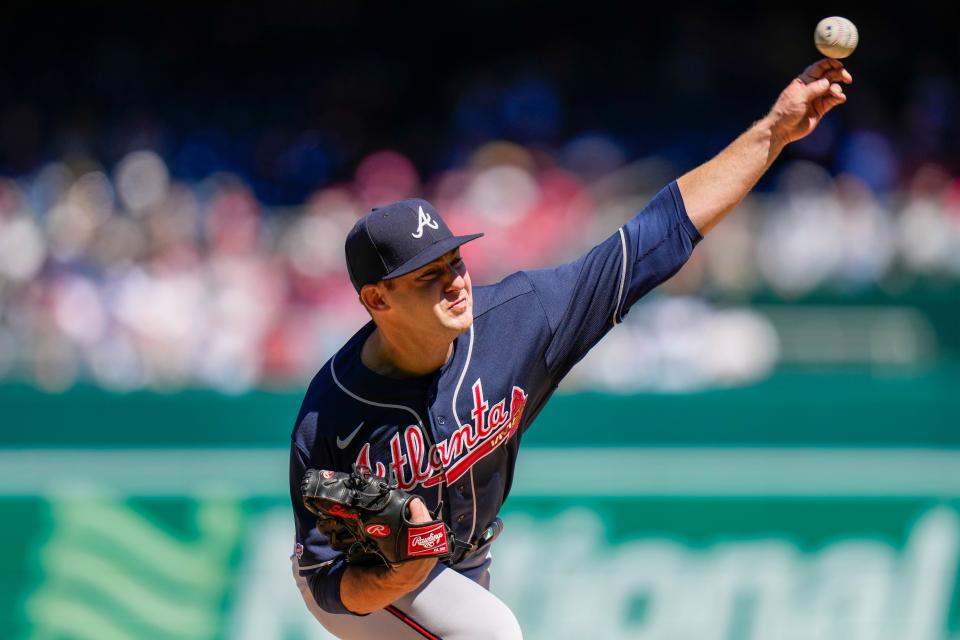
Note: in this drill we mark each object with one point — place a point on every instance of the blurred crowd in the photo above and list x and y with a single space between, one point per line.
175 191
131 278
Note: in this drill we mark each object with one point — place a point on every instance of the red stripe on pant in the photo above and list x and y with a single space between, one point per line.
410 622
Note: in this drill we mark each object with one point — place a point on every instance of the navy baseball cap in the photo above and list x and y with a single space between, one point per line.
397 239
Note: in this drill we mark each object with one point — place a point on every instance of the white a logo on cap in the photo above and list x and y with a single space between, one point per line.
423 220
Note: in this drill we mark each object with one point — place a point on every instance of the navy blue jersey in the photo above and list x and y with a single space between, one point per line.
452 436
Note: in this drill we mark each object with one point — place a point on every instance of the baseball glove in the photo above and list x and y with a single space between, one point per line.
365 517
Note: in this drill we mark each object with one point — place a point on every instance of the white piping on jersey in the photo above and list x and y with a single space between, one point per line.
463 374
333 373
456 392
623 275
473 494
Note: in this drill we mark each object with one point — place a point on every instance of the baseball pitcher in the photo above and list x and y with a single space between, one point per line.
404 447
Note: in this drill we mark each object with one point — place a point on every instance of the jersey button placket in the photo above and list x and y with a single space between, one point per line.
434 425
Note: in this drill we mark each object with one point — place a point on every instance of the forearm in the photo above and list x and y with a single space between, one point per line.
713 189
367 589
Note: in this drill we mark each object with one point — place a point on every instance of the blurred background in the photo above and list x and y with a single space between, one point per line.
769 441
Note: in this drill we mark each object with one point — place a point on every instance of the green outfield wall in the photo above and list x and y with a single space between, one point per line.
790 408
803 507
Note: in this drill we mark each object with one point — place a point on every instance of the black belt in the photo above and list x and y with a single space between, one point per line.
488 535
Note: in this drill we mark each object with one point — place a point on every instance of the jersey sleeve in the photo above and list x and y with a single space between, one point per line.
584 299
322 566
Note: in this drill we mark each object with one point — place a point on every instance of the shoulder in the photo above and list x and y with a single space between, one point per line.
319 392
489 297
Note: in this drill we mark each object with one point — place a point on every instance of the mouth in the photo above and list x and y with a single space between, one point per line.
459 305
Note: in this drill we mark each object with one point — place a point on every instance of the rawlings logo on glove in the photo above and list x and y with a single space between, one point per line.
377 530
366 517
427 541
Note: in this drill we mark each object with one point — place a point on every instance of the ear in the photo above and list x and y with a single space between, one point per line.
372 298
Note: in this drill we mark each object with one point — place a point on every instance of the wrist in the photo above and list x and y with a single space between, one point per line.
405 576
366 589
773 136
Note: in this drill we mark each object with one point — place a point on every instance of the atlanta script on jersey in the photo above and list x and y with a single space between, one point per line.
452 436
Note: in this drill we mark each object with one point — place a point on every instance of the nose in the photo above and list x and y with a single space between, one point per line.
455 280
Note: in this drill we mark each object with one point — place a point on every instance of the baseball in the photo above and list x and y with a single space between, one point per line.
836 37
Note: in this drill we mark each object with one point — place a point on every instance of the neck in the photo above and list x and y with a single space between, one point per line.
410 356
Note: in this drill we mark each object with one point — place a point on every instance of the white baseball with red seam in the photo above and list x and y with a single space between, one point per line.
836 37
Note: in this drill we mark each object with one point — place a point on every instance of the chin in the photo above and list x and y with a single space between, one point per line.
460 323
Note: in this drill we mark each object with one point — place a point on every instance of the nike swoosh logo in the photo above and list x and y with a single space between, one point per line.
342 444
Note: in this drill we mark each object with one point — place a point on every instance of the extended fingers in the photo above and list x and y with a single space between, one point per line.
817 70
839 75
824 79
826 68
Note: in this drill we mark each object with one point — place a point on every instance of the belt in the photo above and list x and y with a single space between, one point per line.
486 536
